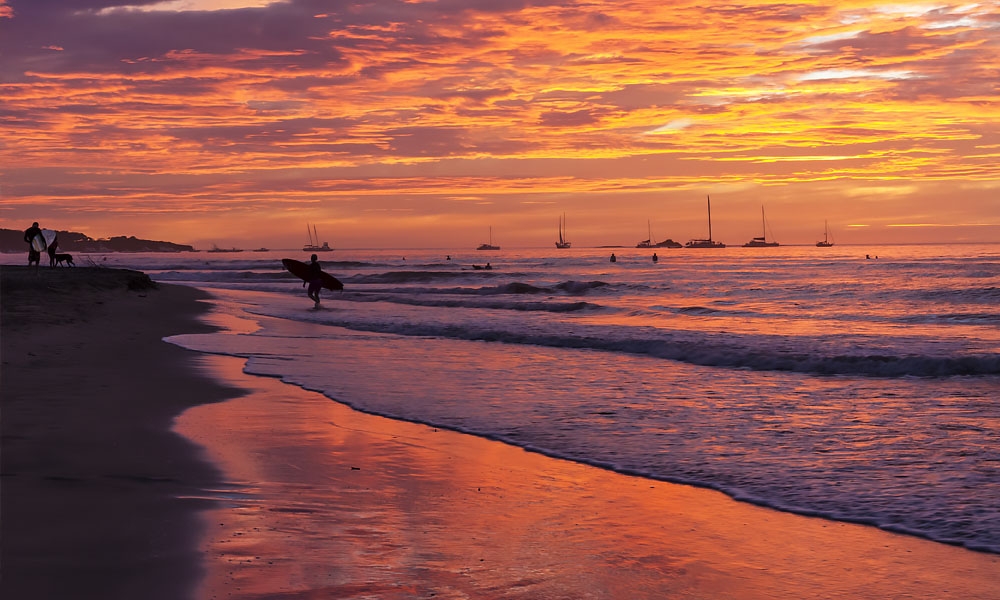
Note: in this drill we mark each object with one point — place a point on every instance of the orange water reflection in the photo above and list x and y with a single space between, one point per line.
326 502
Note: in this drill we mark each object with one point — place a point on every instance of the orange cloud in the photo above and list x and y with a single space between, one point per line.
253 107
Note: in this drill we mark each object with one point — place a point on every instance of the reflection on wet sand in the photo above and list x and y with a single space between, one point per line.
324 501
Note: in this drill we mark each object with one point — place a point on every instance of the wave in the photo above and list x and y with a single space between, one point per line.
972 295
540 306
577 288
409 277
731 351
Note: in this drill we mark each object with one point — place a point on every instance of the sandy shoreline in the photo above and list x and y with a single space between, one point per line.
92 476
314 500
325 501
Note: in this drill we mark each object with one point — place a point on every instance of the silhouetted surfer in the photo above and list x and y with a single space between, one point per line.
315 279
613 257
30 234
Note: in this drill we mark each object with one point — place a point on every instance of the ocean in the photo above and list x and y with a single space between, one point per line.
810 380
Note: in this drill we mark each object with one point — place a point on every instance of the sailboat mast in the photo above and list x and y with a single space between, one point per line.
709 217
763 224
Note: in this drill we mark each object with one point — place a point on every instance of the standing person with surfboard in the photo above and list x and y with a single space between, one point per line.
312 275
315 279
30 235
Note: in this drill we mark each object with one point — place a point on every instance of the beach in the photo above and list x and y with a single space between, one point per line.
94 483
274 491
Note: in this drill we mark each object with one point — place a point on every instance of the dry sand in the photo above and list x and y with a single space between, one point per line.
314 500
92 476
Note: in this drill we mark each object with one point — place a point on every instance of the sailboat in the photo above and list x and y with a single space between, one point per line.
562 243
217 249
313 245
648 242
707 243
761 242
826 243
490 245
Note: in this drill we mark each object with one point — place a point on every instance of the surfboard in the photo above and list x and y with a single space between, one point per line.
301 270
41 241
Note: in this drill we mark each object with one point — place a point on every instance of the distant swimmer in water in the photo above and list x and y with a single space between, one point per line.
655 257
488 267
613 257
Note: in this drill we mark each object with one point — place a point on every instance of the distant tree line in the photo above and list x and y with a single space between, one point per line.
12 240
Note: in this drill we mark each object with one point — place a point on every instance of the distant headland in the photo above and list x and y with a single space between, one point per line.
12 240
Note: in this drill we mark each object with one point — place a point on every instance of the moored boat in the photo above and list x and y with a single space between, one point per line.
761 242
826 243
314 245
563 242
489 245
706 243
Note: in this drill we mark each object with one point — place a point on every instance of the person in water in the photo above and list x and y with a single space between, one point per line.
315 279
613 257
655 257
34 256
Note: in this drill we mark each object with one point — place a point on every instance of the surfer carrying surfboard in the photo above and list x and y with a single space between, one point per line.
34 256
315 280
312 275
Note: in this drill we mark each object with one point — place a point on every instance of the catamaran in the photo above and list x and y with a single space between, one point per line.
707 243
313 245
648 242
488 246
563 242
826 243
761 242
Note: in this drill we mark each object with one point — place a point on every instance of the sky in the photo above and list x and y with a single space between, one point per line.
424 123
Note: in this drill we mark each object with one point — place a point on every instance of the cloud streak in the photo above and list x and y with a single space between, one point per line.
410 104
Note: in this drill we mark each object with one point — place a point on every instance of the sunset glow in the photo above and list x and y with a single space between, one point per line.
422 124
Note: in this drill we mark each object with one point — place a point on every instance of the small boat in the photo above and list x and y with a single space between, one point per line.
563 243
490 245
313 245
826 243
648 242
761 242
262 249
216 249
706 243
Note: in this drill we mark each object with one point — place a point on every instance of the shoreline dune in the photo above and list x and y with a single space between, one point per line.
307 498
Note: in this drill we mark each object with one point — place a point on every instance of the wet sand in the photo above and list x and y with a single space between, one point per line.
309 499
327 502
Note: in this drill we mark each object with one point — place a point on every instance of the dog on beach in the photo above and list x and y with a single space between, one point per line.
65 258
